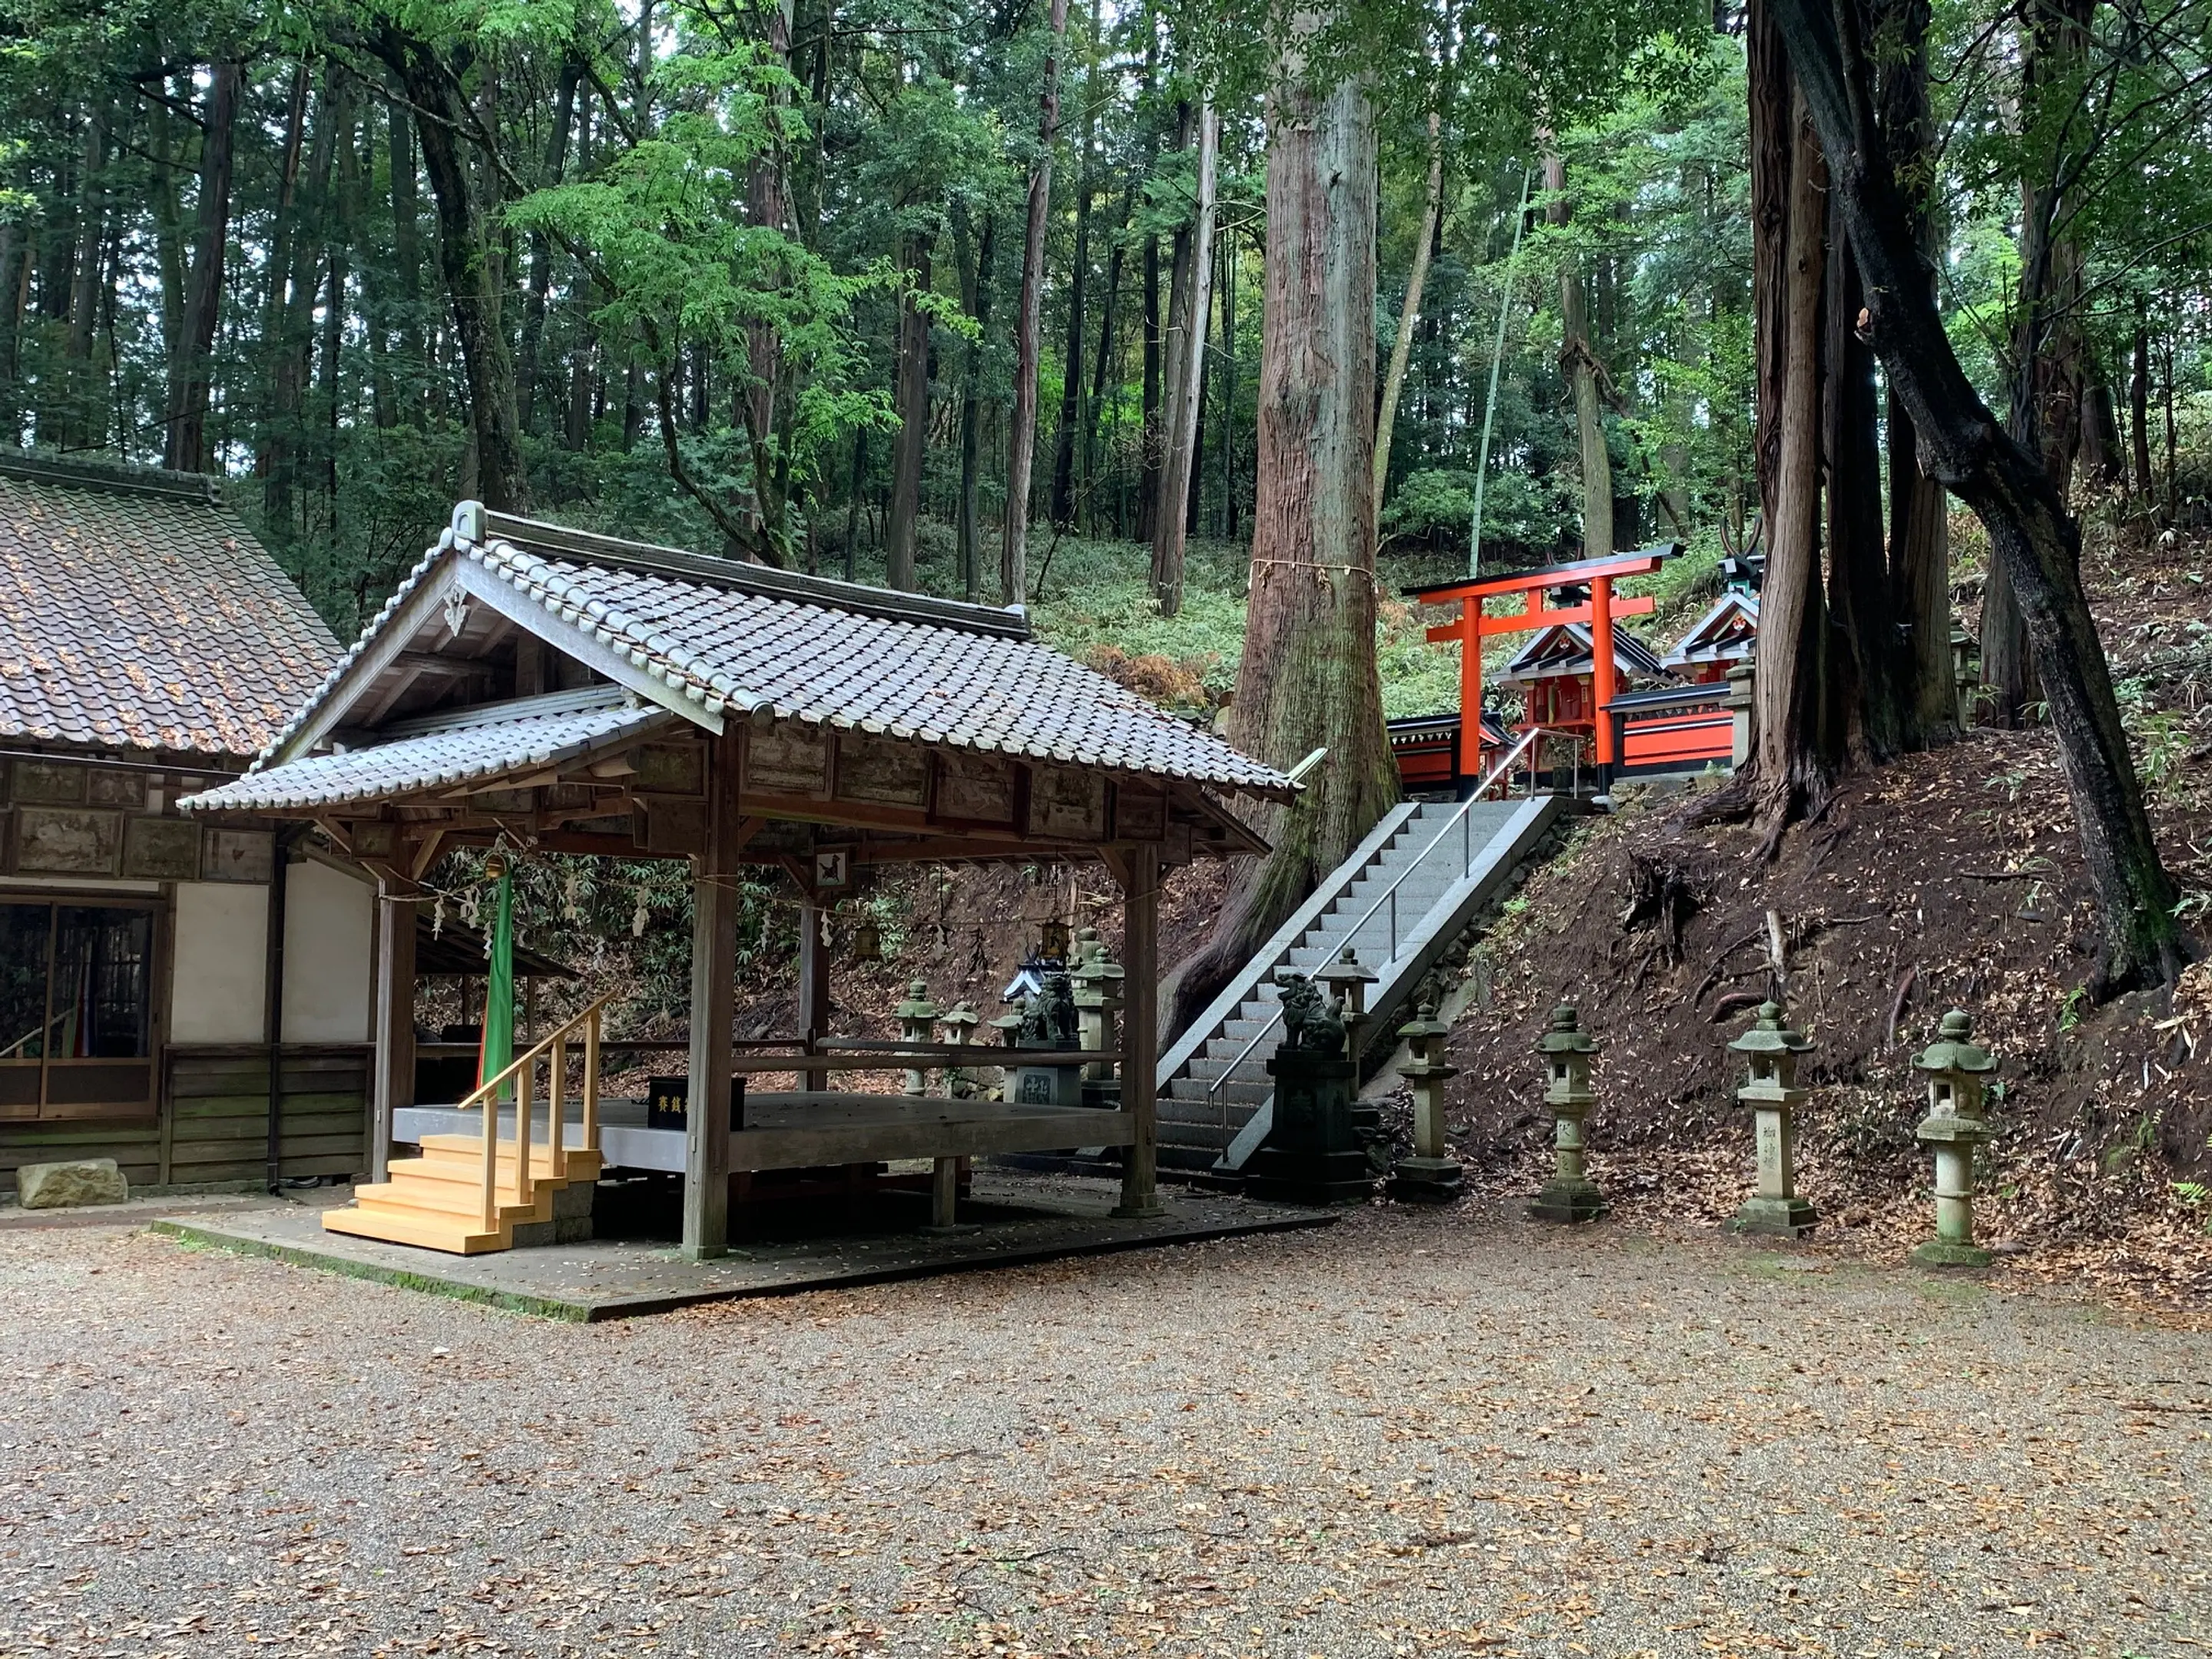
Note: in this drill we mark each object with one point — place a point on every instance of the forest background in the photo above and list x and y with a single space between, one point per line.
829 285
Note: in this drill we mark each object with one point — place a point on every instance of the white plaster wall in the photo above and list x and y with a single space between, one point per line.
218 984
330 932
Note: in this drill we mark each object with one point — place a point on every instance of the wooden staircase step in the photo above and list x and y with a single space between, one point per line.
469 1172
447 1198
454 1234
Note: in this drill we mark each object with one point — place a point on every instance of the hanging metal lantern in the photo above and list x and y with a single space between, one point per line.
867 942
1052 941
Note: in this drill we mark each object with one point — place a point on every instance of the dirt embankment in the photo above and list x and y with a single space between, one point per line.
1949 880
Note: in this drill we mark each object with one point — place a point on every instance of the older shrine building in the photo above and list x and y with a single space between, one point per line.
188 994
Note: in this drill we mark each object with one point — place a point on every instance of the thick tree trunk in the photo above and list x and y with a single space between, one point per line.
1308 677
1101 366
975 271
1078 279
541 244
766 392
1795 767
192 371
473 285
1409 314
1578 364
1021 443
1861 691
2030 530
83 424
2101 424
1919 520
1193 304
289 344
1228 421
911 399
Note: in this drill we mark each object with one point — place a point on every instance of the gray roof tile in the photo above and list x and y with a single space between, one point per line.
448 759
137 612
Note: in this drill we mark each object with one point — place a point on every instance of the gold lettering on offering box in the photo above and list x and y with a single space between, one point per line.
1067 804
878 770
976 788
787 759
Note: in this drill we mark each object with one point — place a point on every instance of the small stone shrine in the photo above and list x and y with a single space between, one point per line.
1345 981
1772 1050
1958 1070
959 1023
1570 1195
1430 1176
1312 1154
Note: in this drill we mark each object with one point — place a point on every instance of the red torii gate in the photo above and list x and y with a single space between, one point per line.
1473 627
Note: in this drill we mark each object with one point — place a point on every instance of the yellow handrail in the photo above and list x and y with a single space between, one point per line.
522 1072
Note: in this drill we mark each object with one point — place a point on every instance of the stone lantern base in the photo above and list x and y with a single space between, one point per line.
1781 1218
1312 1155
1942 1252
1427 1181
1568 1198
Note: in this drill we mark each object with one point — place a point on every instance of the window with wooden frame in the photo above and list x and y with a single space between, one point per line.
77 1009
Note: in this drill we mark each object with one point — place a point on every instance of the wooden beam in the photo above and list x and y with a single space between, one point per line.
1531 582
1140 941
1530 622
393 1086
713 1008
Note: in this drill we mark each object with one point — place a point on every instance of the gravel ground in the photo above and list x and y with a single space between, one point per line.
1409 1433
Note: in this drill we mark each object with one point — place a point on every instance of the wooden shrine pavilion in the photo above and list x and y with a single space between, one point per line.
542 688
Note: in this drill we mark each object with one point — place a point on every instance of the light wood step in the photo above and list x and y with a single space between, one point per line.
423 1228
447 1198
469 1172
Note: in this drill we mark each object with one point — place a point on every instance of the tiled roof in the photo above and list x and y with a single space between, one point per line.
450 758
727 635
137 612
1567 648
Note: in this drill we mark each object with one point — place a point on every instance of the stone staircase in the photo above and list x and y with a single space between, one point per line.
1400 901
436 1201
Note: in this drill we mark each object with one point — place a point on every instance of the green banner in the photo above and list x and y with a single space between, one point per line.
498 1051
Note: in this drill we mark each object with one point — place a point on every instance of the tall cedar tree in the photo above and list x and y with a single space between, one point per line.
2005 484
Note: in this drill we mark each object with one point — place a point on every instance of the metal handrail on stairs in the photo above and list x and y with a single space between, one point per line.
1390 895
522 1073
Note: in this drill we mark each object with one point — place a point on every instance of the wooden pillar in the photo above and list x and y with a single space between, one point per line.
1139 872
945 1196
714 1007
813 986
1470 690
393 1085
1601 686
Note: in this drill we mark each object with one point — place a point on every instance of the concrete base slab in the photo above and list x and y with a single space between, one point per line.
1018 1219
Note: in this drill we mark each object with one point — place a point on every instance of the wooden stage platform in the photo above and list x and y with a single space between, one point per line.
802 1130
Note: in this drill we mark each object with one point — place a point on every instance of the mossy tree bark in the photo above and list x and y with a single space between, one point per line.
1308 678
2006 485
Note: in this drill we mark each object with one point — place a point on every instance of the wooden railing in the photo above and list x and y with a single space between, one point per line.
523 1075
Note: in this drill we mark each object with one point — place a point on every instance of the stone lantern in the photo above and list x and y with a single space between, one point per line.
1958 1070
917 1019
1097 980
1429 1177
959 1022
1570 1195
1772 1050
